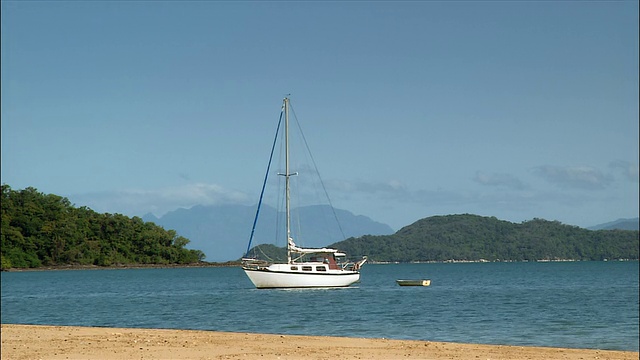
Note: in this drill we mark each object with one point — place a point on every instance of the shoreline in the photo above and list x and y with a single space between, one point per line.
205 264
74 342
125 266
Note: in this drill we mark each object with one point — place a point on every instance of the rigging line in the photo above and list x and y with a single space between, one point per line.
280 216
264 254
266 176
299 238
313 161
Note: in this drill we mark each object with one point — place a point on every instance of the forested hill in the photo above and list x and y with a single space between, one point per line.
46 230
477 238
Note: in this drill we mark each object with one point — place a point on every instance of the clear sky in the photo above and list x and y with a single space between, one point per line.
517 110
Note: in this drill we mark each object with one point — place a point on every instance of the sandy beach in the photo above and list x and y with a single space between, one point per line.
32 342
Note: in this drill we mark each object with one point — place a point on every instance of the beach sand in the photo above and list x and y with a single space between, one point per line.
34 342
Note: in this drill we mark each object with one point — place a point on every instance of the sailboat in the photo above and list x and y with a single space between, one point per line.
304 267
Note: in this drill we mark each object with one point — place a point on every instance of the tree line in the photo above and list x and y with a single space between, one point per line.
47 230
476 238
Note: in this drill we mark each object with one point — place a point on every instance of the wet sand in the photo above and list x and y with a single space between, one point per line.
32 342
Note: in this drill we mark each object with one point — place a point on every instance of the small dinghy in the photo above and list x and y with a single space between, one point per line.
414 282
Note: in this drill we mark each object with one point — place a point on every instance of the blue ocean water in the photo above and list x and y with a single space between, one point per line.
559 304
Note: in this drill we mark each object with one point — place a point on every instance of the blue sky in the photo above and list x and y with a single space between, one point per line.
518 110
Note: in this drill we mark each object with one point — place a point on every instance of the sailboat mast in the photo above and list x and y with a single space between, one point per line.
287 175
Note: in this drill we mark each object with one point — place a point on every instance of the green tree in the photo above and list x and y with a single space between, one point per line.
39 229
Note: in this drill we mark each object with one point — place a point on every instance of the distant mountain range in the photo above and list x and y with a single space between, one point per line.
620 224
222 232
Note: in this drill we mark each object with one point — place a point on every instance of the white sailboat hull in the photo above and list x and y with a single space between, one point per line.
264 278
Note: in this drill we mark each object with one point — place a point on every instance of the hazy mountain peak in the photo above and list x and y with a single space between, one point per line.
222 231
620 224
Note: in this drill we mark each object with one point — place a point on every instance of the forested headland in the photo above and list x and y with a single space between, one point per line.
47 230
477 238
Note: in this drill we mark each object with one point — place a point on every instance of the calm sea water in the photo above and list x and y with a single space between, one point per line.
572 304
